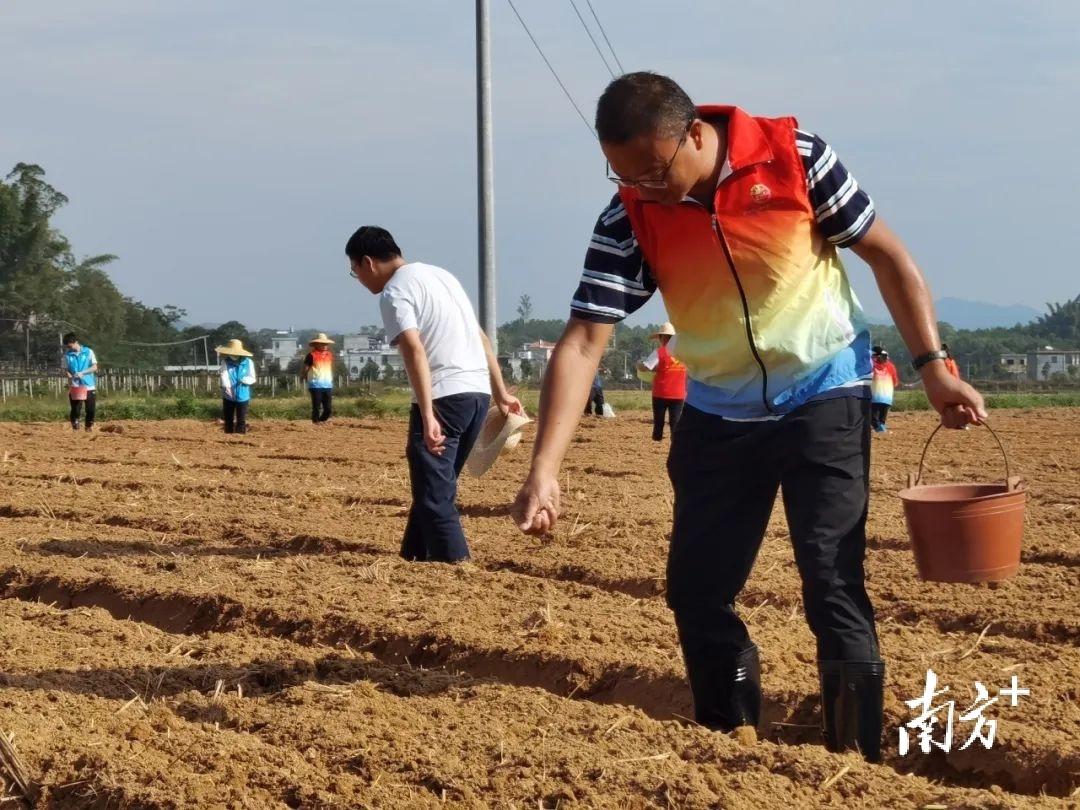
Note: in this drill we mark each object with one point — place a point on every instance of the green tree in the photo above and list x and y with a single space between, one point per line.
94 304
526 370
33 276
370 371
525 308
513 335
32 252
1061 322
44 287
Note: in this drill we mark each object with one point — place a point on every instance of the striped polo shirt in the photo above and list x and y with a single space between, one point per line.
617 280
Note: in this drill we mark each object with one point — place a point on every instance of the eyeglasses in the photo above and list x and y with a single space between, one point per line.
652 182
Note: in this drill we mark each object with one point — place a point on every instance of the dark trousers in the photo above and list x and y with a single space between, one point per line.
725 476
660 407
879 412
91 409
235 416
433 531
596 401
321 401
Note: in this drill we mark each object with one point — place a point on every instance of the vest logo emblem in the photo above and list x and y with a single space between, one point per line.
760 193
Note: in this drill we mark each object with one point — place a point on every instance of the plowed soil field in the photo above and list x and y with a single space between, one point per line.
189 619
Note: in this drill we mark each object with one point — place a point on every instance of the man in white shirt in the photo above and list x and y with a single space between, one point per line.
454 377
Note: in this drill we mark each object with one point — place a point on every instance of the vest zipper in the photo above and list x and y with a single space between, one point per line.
746 314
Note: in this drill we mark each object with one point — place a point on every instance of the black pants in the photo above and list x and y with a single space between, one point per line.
596 400
726 476
91 410
879 412
321 401
434 532
235 416
660 407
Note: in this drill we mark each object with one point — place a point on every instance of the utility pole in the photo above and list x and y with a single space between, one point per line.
485 173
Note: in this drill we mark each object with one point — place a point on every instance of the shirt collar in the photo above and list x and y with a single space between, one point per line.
746 143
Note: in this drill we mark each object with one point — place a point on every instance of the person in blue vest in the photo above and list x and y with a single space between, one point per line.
80 366
237 377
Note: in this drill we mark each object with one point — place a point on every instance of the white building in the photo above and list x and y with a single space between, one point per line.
539 351
1045 363
358 350
1014 363
537 354
284 348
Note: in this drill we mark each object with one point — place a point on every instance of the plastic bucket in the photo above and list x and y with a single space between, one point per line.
78 392
968 532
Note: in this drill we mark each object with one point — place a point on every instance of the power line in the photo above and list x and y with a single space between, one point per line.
171 343
547 62
43 322
592 39
604 33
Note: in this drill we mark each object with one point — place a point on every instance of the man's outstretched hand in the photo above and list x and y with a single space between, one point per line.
537 505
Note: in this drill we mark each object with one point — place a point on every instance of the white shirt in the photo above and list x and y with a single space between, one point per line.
429 299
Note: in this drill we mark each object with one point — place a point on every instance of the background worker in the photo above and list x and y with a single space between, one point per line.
80 367
454 376
884 380
668 383
596 396
237 374
318 373
950 361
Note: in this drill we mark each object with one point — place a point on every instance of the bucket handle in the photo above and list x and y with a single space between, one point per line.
1011 482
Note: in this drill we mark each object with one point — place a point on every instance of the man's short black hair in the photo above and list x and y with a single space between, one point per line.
373 241
70 338
643 103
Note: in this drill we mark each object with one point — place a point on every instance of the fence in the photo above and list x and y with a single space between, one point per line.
132 382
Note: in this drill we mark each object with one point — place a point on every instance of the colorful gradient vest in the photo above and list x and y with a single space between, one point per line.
759 298
321 373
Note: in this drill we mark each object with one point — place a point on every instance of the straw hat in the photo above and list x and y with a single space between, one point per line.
322 338
234 348
500 434
666 329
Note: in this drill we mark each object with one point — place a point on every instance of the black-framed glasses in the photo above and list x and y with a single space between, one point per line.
653 182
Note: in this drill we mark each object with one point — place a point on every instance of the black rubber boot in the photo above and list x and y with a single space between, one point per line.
852 702
727 691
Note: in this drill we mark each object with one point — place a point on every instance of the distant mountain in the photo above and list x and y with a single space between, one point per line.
965 314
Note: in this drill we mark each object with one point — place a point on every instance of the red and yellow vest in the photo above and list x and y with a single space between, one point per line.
669 381
757 295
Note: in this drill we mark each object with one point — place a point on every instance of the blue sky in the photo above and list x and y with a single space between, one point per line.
225 151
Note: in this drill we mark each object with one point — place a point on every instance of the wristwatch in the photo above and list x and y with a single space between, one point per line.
929 357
